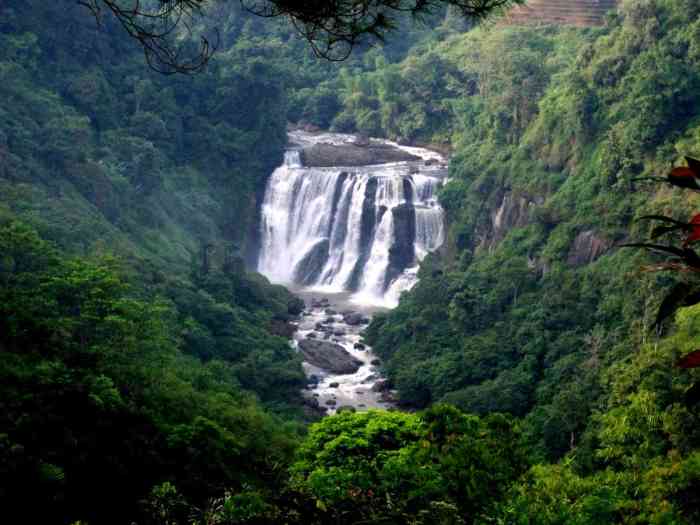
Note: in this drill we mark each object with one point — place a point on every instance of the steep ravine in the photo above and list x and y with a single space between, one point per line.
345 221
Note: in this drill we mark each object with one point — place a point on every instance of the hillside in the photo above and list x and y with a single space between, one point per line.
146 372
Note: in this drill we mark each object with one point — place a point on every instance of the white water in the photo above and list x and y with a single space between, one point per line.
313 221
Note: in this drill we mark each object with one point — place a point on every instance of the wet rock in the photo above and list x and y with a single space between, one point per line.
312 335
387 397
331 402
307 270
311 402
402 253
304 125
328 320
354 318
346 408
339 333
334 385
319 303
370 378
351 155
375 362
359 346
381 386
329 356
330 311
361 140
313 380
431 162
361 405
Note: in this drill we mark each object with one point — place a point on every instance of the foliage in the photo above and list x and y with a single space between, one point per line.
96 387
440 466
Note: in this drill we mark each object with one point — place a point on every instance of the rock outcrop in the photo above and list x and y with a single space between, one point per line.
352 155
586 248
329 356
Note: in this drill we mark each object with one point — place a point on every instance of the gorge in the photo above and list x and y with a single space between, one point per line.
345 221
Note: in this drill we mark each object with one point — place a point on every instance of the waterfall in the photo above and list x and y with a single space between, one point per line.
361 230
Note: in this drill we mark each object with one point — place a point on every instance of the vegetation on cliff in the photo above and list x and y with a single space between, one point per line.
141 377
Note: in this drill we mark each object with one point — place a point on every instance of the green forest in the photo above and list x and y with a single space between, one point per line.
146 371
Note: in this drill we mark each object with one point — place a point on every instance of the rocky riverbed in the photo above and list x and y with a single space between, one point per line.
342 370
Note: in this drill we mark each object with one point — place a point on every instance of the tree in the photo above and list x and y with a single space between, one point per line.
332 28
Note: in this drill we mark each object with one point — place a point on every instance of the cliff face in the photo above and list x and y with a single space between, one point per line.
567 12
516 211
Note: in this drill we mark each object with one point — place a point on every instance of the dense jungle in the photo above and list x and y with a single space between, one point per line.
543 365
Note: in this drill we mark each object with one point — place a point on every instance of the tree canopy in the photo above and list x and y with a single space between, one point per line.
332 28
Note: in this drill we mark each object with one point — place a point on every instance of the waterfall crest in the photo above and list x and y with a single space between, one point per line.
362 230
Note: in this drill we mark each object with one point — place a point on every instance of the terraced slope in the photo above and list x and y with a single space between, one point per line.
570 12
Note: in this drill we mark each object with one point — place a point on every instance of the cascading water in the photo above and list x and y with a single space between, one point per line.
361 230
349 241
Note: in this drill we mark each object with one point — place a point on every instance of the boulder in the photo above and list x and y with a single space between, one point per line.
334 385
331 402
330 311
319 303
359 346
312 335
354 318
383 385
329 356
339 333
375 362
346 408
387 397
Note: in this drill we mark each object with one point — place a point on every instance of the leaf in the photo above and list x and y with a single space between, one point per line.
663 230
694 236
691 258
663 218
671 302
694 165
692 395
656 247
692 298
694 230
683 178
692 360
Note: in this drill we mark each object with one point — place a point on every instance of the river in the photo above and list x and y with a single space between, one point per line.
348 239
